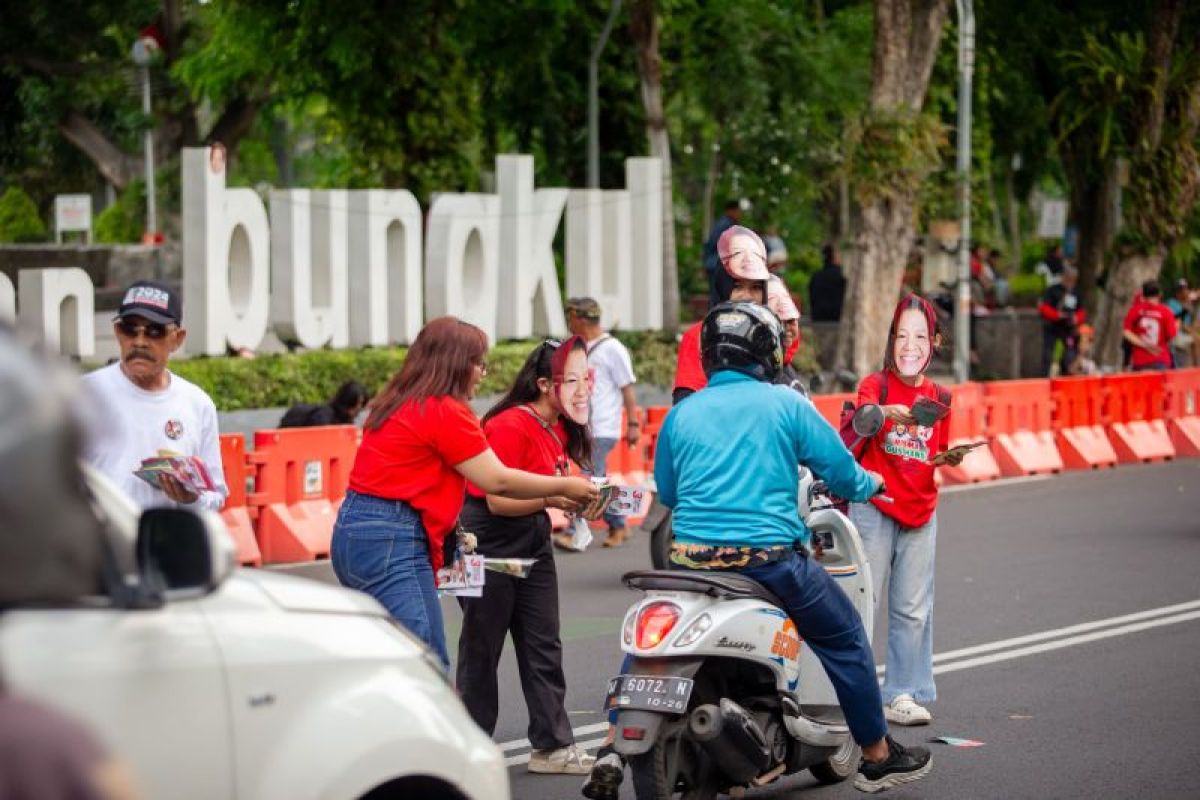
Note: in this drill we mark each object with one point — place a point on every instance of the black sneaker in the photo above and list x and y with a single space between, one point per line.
604 781
903 765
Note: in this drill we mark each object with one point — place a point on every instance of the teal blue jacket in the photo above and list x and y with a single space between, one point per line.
726 463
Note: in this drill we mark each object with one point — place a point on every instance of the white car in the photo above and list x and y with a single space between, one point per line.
216 682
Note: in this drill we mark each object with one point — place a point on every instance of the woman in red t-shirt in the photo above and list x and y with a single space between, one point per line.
540 424
420 445
899 537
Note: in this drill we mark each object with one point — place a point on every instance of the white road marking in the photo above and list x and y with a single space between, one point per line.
984 654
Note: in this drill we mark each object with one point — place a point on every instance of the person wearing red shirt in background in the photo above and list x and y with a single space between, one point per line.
1149 329
540 424
900 537
420 445
743 279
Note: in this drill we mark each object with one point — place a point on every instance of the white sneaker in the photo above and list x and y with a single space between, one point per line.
570 760
903 710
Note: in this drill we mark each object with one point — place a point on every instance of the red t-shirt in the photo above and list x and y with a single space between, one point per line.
689 370
1155 323
411 457
901 454
520 441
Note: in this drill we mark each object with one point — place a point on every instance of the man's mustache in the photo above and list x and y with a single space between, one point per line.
139 354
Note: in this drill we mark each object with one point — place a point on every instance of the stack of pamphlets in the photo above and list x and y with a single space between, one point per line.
190 471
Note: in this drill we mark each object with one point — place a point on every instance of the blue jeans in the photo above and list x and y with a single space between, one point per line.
826 619
907 554
379 547
601 449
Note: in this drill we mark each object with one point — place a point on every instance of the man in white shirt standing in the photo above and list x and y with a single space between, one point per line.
143 408
613 390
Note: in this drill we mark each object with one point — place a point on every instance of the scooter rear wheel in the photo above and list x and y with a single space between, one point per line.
839 766
673 768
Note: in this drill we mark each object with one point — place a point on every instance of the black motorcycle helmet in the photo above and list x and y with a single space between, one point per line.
744 337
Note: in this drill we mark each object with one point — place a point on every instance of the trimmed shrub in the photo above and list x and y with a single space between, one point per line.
121 222
19 218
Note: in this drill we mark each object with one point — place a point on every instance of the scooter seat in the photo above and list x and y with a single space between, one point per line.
709 582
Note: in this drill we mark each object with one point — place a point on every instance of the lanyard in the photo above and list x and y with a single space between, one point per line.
560 466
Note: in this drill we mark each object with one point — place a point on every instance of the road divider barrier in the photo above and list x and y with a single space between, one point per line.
1034 427
1181 407
1019 417
1078 430
1136 428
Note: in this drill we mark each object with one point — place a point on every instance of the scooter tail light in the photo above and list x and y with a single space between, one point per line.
698 627
654 622
627 628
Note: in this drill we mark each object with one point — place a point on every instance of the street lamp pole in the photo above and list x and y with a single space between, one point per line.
143 52
966 66
593 174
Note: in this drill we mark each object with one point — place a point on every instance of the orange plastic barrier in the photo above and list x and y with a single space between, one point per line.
301 476
968 418
1181 395
1019 418
235 512
1134 410
1081 438
830 406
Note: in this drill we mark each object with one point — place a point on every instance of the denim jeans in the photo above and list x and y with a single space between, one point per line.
826 619
907 554
601 449
379 547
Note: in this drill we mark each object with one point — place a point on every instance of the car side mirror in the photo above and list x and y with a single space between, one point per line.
181 553
867 420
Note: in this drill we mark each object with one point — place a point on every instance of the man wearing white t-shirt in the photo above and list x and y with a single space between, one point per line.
143 408
613 390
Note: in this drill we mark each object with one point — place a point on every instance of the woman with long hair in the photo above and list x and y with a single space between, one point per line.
420 445
540 424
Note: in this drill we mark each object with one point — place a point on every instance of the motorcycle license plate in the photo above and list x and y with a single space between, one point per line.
649 693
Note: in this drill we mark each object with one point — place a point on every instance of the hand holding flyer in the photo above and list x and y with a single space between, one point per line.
189 471
463 577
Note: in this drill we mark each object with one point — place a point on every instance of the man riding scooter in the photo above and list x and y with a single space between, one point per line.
735 508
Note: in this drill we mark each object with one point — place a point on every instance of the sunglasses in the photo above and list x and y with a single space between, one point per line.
153 330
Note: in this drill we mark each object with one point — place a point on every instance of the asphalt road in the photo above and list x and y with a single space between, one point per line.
1067 640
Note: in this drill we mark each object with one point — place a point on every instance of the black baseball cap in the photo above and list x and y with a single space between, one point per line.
152 300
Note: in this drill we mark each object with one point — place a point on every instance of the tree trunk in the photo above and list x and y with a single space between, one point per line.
1014 221
907 33
1125 280
883 237
1092 211
114 164
644 27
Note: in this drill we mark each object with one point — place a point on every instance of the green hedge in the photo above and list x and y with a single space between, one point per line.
272 381
19 218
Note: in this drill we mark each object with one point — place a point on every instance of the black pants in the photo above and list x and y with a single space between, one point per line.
528 607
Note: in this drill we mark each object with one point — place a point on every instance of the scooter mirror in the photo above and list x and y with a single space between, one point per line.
867 420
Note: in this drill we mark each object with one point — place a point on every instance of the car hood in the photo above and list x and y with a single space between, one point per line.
304 594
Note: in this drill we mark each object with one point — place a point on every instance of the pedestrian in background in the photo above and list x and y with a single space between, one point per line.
612 392
1186 344
342 409
1062 314
732 215
1149 328
827 287
148 409
420 445
540 424
900 537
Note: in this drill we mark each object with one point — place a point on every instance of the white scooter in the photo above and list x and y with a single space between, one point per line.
721 692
